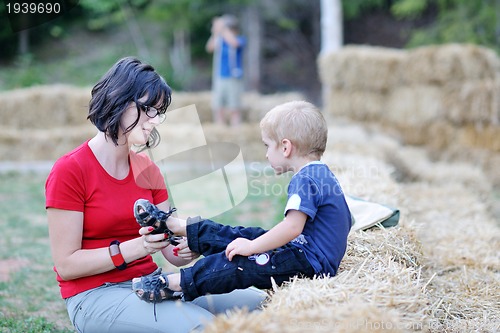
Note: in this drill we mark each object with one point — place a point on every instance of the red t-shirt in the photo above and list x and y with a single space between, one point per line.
78 182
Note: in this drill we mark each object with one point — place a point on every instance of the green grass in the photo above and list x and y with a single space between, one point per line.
30 299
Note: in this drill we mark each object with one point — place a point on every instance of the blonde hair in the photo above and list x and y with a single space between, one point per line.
300 122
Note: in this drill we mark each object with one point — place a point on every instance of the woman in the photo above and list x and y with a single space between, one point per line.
94 237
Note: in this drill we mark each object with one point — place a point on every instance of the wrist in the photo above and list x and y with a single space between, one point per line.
116 255
133 249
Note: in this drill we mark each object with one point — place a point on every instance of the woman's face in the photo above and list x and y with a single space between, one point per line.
140 133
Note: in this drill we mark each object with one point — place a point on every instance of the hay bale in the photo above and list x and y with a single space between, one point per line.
361 67
44 106
256 105
413 164
380 288
202 101
413 106
475 101
41 144
450 63
478 136
355 104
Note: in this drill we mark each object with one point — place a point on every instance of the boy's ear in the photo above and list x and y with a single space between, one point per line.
286 146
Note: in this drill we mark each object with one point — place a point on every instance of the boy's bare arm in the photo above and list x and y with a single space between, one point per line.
279 235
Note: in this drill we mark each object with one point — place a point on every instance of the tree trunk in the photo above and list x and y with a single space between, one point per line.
180 58
253 32
331 26
135 32
23 47
331 34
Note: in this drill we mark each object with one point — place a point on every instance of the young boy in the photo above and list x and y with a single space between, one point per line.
311 240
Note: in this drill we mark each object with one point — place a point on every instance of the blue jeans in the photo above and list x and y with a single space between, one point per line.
215 274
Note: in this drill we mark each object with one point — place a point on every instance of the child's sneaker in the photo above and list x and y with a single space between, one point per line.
148 215
154 288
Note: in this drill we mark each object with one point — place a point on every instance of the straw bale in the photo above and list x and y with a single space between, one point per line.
413 106
487 137
467 301
379 288
413 164
345 318
473 102
200 99
360 167
186 136
450 63
246 136
356 104
41 144
256 105
361 67
44 106
456 226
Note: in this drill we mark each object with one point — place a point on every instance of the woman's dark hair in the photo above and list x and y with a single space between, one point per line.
127 81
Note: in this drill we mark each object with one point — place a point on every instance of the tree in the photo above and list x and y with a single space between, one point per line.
458 21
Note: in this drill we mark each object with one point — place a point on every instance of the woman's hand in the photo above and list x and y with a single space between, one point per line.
182 250
180 254
153 243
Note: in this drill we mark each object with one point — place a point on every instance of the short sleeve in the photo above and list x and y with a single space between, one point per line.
64 187
302 196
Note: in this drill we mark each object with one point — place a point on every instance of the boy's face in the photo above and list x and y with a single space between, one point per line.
274 154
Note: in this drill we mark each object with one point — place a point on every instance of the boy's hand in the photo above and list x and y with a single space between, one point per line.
217 26
240 246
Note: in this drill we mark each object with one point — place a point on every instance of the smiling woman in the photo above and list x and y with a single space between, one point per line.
128 85
94 236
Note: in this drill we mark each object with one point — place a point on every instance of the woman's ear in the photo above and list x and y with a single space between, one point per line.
286 146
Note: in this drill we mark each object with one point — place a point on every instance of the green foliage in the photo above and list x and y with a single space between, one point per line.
355 8
458 21
101 15
409 8
26 75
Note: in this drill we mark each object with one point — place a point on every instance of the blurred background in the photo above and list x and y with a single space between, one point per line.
284 38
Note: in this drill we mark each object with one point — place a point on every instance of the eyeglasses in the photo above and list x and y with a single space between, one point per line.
151 112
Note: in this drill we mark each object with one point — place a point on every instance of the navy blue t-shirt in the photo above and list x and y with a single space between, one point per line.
316 192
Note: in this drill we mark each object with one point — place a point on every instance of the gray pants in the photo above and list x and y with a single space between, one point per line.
114 307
